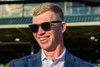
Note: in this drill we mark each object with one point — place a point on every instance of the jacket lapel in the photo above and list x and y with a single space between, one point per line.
35 60
69 62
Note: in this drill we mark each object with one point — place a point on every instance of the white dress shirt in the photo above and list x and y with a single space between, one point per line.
47 61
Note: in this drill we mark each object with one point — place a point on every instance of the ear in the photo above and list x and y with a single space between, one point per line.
64 26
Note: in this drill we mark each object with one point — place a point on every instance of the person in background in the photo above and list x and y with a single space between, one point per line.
48 26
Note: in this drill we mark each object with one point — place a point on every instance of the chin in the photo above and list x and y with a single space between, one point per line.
45 47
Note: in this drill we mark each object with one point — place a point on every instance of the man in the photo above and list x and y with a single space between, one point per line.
48 27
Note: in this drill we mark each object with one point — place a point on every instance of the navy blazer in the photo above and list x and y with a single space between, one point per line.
35 61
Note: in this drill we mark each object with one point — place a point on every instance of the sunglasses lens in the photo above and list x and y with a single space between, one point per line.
46 26
34 28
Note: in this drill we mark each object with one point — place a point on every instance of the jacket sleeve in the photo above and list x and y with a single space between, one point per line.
11 63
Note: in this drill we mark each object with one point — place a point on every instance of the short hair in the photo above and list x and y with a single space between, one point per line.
44 7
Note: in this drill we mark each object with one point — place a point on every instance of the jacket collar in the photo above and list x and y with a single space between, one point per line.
36 60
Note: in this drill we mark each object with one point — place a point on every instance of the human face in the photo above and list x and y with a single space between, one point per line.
48 40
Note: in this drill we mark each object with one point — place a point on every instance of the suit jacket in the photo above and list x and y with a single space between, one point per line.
35 61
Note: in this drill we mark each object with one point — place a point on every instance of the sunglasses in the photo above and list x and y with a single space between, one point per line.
45 26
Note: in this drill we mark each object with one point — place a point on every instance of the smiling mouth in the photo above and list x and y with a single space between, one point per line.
43 38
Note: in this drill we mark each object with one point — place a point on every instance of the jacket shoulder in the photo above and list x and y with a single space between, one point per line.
80 62
24 60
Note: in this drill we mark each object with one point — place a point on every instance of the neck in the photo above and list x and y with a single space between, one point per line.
55 53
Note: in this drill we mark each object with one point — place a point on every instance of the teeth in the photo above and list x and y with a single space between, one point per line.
43 38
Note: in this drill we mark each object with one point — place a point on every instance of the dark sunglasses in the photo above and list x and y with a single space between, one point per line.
45 26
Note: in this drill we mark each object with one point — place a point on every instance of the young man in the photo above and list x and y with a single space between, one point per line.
48 26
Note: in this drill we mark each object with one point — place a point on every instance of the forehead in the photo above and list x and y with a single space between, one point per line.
44 17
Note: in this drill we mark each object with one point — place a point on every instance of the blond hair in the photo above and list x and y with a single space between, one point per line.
44 7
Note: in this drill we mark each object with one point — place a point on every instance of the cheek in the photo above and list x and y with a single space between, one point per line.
34 36
57 33
51 33
54 35
57 30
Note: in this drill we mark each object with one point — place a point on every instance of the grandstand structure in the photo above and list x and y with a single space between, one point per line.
82 36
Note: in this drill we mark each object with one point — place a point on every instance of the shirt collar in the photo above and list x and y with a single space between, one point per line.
43 56
62 56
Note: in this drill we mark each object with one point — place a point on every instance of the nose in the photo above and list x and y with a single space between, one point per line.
40 31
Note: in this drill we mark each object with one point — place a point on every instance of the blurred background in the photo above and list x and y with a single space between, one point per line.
82 36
